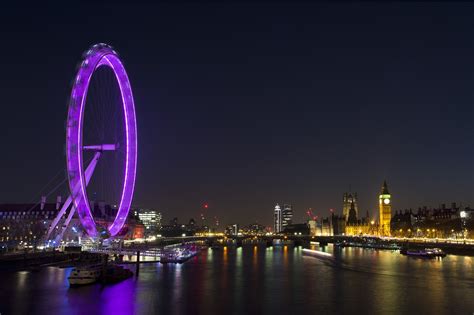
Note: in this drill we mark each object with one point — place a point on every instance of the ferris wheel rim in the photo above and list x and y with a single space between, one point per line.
97 56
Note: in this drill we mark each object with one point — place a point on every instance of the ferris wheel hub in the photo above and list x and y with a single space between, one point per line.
101 147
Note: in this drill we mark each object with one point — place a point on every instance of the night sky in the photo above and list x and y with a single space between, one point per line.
244 105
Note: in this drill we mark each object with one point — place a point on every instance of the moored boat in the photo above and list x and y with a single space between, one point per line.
368 244
423 253
85 275
178 256
115 273
438 252
93 273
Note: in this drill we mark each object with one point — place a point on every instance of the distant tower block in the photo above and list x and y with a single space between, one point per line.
286 216
347 200
277 219
385 210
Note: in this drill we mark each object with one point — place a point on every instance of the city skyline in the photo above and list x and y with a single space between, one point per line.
230 126
237 157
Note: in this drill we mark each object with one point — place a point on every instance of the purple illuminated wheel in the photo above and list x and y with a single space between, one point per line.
99 56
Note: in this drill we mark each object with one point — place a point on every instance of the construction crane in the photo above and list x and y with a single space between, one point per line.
311 215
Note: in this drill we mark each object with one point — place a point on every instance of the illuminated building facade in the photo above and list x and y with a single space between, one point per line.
313 227
385 210
286 216
151 219
355 226
232 229
321 227
277 219
326 228
26 224
444 222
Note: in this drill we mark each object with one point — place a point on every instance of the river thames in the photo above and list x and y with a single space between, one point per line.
258 280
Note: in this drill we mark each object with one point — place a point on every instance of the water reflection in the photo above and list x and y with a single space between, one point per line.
22 277
262 280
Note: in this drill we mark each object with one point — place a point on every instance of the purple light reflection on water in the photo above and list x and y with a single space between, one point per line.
120 298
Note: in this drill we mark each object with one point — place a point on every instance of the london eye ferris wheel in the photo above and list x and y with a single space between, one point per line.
101 125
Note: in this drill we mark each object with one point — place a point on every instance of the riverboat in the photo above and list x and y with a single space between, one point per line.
423 253
178 256
85 275
92 273
438 252
372 245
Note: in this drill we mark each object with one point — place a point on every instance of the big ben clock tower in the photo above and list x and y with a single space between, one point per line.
385 210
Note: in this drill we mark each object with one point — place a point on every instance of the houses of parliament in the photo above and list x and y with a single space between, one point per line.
353 223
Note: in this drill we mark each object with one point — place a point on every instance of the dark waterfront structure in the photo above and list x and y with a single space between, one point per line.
297 229
175 228
254 229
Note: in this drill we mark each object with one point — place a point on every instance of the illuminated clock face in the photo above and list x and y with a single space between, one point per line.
386 201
